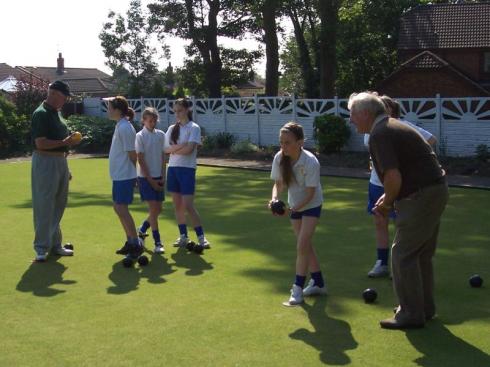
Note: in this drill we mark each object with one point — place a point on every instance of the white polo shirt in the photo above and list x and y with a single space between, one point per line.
120 166
189 133
374 179
307 174
152 145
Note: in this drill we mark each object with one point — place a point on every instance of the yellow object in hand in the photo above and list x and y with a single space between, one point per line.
76 137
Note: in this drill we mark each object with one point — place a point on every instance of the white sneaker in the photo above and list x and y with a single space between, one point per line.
314 290
379 270
40 258
159 249
204 242
296 297
181 241
61 251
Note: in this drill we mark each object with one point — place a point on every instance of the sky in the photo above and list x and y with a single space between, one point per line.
33 32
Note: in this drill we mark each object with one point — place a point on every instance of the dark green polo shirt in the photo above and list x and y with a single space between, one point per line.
47 123
396 145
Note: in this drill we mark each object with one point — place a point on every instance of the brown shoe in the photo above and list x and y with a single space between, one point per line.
394 324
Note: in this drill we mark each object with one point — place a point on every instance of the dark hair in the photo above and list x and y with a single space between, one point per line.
183 102
285 164
150 111
121 103
392 106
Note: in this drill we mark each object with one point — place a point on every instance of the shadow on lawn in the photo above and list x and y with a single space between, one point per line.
331 337
40 277
442 348
195 264
128 279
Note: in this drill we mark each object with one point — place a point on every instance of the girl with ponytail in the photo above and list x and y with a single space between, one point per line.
181 142
122 167
298 171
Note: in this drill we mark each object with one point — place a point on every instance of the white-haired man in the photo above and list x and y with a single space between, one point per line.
415 186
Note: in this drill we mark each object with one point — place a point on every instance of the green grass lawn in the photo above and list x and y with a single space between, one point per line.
224 308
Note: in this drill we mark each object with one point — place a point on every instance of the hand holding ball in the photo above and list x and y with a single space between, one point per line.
278 207
76 137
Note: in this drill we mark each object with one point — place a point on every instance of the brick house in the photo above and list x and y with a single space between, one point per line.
82 81
442 49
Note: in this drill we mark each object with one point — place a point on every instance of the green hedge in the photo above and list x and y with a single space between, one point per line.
97 133
331 133
15 136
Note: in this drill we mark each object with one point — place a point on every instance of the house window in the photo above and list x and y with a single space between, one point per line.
486 62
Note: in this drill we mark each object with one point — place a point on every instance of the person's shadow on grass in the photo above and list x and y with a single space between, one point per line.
194 263
127 279
39 278
157 269
332 337
440 347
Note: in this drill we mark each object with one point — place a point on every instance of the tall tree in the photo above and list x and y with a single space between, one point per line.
126 45
201 22
304 20
269 12
328 11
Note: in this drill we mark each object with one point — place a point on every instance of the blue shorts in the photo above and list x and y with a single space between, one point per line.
181 180
122 191
147 192
313 212
374 193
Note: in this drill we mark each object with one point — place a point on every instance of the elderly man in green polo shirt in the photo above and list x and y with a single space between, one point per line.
50 174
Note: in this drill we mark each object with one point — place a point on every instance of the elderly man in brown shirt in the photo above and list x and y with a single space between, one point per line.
415 186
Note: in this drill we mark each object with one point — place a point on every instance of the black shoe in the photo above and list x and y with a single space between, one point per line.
124 250
135 251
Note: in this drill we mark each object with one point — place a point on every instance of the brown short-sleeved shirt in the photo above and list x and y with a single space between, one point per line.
395 145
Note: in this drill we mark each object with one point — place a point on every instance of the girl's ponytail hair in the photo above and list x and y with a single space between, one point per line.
285 164
130 114
121 103
184 103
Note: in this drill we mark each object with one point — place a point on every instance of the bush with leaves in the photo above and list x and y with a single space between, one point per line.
97 133
244 147
331 133
224 140
482 152
15 130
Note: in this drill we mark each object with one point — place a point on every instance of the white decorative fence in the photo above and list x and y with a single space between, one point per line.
460 124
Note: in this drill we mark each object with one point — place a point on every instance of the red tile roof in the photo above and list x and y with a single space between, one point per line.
465 25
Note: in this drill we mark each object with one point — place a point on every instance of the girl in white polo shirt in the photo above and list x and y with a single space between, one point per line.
122 166
298 171
181 142
150 144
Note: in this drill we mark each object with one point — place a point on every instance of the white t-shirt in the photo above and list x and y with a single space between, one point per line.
152 145
120 166
374 179
189 133
307 174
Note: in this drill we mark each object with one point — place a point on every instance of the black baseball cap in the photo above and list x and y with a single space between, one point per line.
61 86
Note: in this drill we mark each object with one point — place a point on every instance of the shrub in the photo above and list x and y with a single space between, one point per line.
482 152
97 133
224 140
15 130
331 133
244 146
208 143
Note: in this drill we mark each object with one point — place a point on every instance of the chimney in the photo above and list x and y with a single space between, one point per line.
61 65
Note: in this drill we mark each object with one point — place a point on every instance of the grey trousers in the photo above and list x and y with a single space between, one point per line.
414 245
49 179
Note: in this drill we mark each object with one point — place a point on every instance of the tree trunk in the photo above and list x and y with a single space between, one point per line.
271 47
328 12
311 90
214 69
